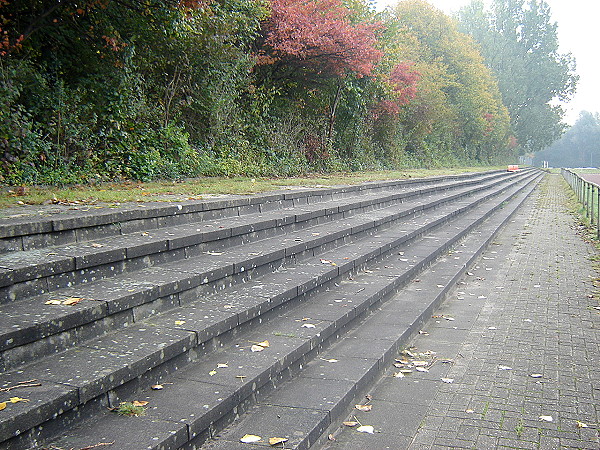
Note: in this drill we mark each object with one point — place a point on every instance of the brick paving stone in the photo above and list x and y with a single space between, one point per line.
525 305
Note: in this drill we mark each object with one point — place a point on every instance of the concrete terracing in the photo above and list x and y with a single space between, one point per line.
336 280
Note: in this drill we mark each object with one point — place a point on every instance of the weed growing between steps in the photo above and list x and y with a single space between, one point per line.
131 409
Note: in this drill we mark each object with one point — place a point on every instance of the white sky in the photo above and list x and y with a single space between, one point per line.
578 33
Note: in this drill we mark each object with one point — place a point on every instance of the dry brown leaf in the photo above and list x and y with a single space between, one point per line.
277 440
264 344
71 301
2 405
257 348
581 424
97 245
139 403
17 399
364 408
250 438
157 387
350 423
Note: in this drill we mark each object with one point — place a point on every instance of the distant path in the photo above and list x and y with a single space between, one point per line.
522 336
591 177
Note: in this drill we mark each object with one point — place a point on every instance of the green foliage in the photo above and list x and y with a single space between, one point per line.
457 113
99 90
519 42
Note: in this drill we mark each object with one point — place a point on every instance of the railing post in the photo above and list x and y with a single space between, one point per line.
598 212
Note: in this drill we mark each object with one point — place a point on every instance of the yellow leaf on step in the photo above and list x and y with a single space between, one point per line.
277 440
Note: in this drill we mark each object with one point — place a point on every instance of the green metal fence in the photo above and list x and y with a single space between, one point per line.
588 194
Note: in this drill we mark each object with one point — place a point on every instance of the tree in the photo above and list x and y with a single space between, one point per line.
457 108
318 36
519 43
578 147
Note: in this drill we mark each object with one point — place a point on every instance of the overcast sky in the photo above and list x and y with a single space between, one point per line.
578 33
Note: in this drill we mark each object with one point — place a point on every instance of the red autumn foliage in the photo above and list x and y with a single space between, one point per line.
318 35
403 80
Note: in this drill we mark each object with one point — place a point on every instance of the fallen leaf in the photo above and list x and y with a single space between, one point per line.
364 408
212 372
139 403
18 399
2 405
326 261
257 348
421 369
97 245
215 253
469 411
405 370
53 302
419 363
277 440
308 325
546 418
398 375
71 301
581 424
179 322
350 423
331 437
222 366
264 344
366 429
157 387
250 438
332 360
448 380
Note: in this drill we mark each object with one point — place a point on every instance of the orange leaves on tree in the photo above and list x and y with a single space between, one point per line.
318 35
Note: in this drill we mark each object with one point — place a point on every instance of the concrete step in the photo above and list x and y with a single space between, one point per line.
31 328
33 227
31 272
81 382
339 378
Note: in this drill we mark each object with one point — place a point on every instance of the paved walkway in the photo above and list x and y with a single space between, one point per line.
517 344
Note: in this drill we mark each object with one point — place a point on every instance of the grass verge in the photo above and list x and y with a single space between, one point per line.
198 188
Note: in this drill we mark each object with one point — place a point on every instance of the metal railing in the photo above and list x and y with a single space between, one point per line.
588 194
